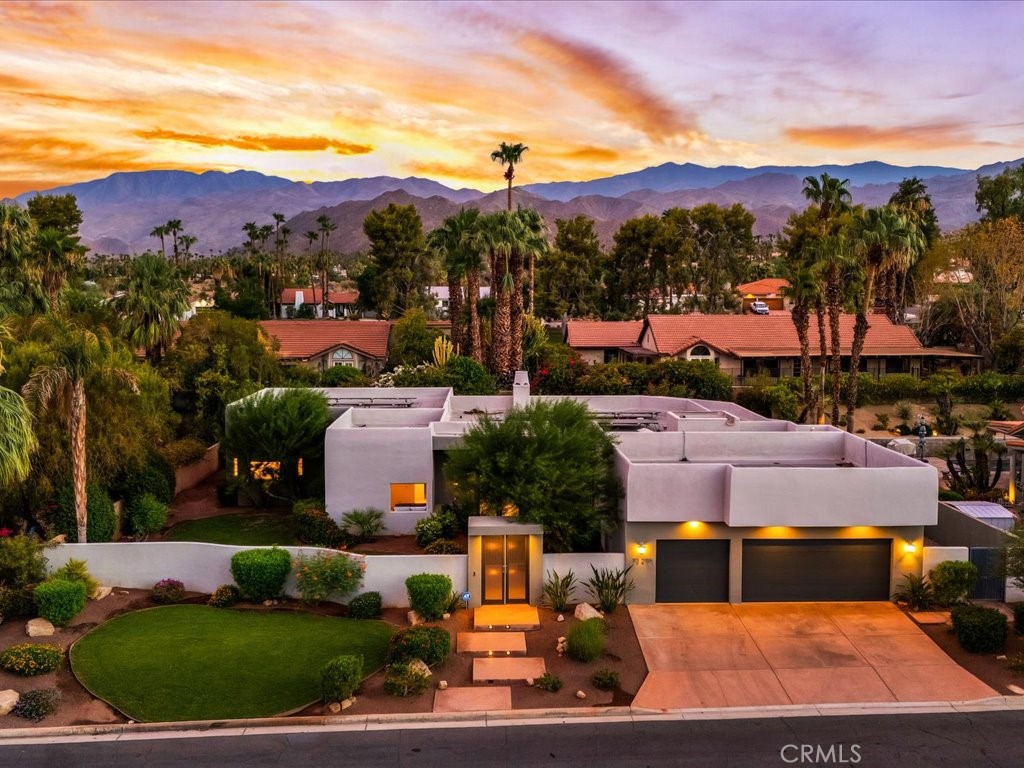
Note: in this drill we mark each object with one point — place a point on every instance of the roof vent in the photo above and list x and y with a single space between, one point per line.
521 390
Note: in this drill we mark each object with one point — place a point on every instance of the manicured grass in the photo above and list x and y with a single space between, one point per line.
248 529
191 662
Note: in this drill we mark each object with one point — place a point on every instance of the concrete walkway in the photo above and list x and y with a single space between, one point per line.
771 654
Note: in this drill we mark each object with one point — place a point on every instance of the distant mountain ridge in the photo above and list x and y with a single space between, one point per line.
122 209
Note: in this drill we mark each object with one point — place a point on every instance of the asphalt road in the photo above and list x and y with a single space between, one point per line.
907 741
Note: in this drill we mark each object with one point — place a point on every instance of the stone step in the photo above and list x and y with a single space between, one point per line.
491 643
507 668
490 699
500 617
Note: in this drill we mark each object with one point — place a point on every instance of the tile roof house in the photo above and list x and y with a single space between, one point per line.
322 344
340 303
599 341
770 290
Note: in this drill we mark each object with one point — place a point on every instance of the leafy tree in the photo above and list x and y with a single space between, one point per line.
412 341
243 294
151 302
569 280
398 271
549 461
1002 196
59 212
637 266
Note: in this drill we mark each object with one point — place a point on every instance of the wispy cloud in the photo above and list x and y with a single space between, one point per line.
256 143
902 137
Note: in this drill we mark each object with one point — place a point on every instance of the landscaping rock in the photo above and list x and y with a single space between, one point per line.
267 603
446 616
414 618
443 685
580 695
348 703
529 681
562 639
1016 689
560 618
39 628
586 611
8 699
419 667
101 592
1001 657
334 707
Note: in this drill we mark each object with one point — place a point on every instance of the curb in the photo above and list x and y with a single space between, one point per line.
491 719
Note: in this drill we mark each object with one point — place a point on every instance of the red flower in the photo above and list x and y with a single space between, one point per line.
5 532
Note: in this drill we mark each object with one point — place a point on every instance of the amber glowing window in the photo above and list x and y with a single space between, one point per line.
408 495
265 470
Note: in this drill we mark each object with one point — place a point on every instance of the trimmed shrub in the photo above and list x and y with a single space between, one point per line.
321 576
147 515
60 600
76 570
610 587
102 522
365 606
260 573
344 376
953 581
605 679
444 547
558 589
428 594
585 641
548 682
17 603
979 629
432 645
21 561
442 524
224 596
167 591
1018 618
340 677
404 680
37 704
31 659
181 453
315 527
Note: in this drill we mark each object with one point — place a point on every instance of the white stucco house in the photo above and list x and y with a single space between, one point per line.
720 504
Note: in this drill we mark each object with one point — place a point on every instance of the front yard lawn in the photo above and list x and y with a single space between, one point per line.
191 662
246 529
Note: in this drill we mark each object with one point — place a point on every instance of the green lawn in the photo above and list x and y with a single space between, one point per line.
191 662
247 529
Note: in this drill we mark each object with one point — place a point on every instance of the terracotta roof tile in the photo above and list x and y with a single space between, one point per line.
597 334
766 287
334 297
303 339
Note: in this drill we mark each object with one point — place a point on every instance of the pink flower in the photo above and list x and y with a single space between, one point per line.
5 532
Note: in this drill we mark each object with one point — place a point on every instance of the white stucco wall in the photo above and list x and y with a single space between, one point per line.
932 556
675 492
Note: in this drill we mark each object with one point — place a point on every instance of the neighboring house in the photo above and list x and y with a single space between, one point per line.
439 293
322 344
720 503
339 303
770 290
747 345
600 341
1012 433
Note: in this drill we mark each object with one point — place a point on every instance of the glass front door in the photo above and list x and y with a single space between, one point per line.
506 569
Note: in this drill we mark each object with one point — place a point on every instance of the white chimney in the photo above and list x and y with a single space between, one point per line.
521 390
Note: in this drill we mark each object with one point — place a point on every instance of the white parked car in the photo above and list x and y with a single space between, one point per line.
759 308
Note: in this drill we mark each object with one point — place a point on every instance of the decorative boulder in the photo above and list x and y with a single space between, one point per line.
101 592
560 617
39 628
419 667
442 685
8 699
334 707
414 618
580 695
586 611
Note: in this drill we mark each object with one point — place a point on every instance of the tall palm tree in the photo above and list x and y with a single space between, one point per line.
537 246
17 438
831 195
79 355
55 255
311 237
803 292
510 155
324 262
160 231
152 300
173 227
455 242
500 235
17 235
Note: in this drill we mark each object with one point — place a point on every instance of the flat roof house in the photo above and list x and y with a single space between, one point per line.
339 303
322 344
720 504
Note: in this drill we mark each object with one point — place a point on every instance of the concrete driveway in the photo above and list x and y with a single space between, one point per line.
704 655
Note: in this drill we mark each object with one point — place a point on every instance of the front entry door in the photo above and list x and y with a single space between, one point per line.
506 569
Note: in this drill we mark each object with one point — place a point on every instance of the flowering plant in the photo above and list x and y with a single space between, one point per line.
168 591
321 576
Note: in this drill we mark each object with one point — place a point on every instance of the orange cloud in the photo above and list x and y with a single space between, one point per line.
267 143
598 154
913 137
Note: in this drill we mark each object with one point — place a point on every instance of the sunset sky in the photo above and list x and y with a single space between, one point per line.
316 91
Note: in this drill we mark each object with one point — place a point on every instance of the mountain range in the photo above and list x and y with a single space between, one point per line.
121 210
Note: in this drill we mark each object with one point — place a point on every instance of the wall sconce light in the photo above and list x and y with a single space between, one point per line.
694 523
910 547
641 549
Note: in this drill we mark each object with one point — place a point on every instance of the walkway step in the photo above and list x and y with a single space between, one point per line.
507 668
489 699
491 643
518 617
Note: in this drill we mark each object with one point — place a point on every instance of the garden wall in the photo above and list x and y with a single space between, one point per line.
193 474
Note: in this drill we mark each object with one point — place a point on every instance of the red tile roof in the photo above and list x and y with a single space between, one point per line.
334 297
304 339
598 334
775 336
769 286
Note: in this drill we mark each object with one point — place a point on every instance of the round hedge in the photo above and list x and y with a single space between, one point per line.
60 600
260 573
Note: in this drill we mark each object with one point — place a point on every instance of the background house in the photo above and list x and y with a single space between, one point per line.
322 344
604 341
339 303
770 290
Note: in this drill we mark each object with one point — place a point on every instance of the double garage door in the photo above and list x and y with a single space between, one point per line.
774 570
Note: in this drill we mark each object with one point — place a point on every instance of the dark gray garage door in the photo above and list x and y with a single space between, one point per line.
816 569
692 571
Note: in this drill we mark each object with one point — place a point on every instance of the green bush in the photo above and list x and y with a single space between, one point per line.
322 576
605 679
443 523
1018 618
365 606
916 592
431 645
558 590
444 547
402 680
147 515
17 603
947 495
428 594
76 570
260 573
609 587
979 629
168 591
59 600
224 596
156 477
181 453
36 705
585 641
102 523
31 659
904 410
344 376
467 377
340 677
953 581
313 526
364 524
548 682
22 562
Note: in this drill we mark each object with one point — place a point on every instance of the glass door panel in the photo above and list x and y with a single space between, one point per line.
517 569
493 569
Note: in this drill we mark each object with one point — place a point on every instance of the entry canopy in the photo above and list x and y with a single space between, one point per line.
502 526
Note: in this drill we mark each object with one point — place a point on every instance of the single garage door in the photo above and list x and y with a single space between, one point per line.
816 569
692 571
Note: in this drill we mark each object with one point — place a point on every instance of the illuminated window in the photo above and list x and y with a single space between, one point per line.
343 357
234 466
408 496
265 470
299 468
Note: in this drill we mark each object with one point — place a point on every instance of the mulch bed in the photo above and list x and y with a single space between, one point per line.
986 667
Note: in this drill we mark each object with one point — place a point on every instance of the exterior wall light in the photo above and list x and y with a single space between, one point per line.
910 547
694 524
641 549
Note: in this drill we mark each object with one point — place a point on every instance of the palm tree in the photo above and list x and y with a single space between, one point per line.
537 246
454 242
173 227
78 355
311 238
831 195
803 292
17 439
510 155
500 235
152 299
56 254
161 232
17 234
324 263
